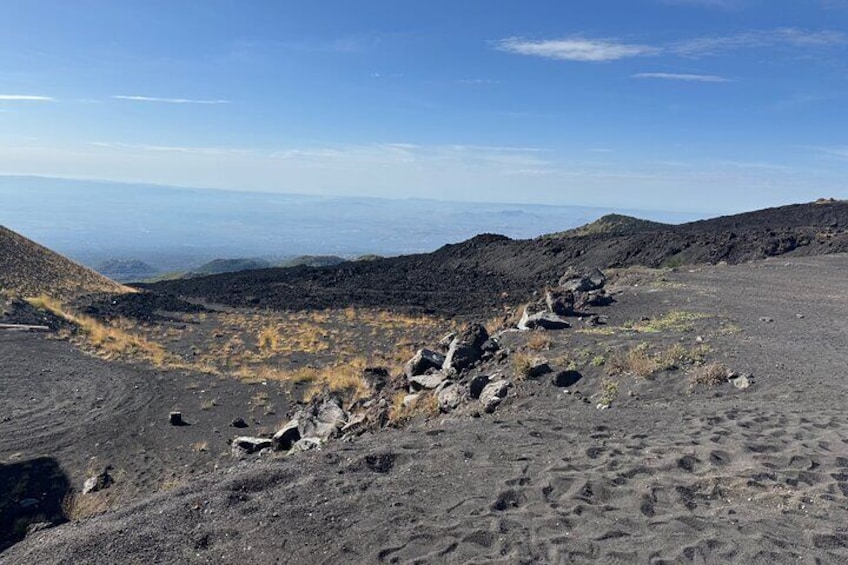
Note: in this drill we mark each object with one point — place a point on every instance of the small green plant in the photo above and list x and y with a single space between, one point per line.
598 361
609 391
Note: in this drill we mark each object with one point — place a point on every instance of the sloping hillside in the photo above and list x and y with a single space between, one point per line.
488 271
29 269
612 224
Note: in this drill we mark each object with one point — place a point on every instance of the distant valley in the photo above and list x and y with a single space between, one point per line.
136 232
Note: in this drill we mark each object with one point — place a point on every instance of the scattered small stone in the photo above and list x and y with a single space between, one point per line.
305 444
741 381
766 319
176 419
602 406
98 482
800 316
699 339
238 423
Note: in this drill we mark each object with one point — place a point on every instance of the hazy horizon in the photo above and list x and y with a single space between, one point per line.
180 228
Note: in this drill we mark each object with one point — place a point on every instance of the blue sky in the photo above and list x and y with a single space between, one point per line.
697 105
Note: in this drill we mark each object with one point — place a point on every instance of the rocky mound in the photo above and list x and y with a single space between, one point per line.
482 274
29 269
612 224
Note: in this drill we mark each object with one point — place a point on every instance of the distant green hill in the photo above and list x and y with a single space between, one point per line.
313 261
127 270
611 224
218 266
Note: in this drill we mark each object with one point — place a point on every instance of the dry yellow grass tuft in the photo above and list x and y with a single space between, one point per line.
640 362
109 341
710 375
539 341
425 405
77 506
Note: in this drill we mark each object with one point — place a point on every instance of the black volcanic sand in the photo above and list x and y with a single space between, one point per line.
477 277
670 475
84 413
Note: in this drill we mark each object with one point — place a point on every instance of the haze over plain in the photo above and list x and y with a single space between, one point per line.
705 106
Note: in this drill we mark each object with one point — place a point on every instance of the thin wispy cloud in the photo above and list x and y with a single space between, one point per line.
783 37
575 49
478 81
167 100
581 49
839 152
169 148
25 98
681 77
722 4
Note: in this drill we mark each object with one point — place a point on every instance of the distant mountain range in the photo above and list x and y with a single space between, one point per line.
181 229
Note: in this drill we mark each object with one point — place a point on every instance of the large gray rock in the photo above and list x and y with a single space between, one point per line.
322 420
286 437
531 320
424 360
450 397
493 394
466 349
245 445
428 382
577 281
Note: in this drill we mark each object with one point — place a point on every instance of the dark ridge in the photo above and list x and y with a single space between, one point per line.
489 271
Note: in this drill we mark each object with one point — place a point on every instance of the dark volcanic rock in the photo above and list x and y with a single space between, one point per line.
423 361
560 301
466 348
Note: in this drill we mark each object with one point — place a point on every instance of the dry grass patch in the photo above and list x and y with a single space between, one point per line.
676 320
78 506
113 341
710 375
538 341
639 361
522 365
426 405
